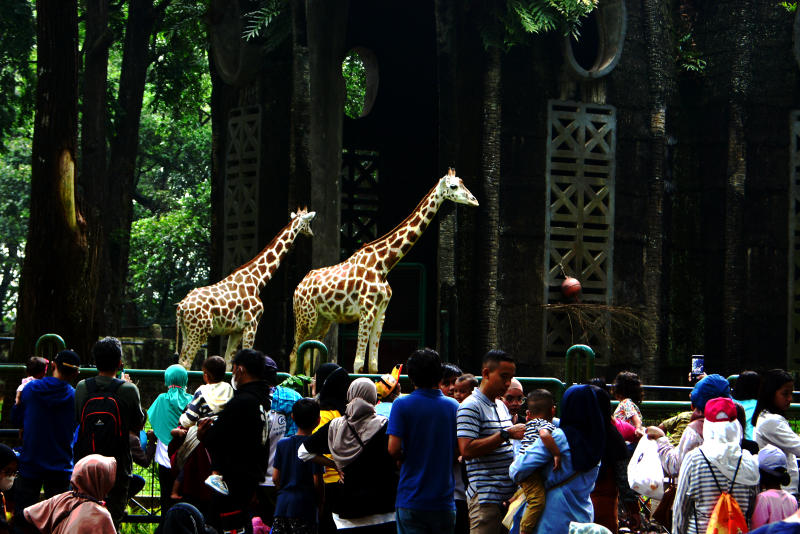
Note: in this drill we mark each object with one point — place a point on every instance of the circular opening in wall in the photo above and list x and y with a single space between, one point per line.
598 49
360 73
585 48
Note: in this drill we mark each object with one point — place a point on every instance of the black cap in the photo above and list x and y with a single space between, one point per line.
68 359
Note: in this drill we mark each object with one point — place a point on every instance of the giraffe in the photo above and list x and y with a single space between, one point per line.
356 289
232 306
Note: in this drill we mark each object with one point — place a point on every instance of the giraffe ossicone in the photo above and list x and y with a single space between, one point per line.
232 306
356 289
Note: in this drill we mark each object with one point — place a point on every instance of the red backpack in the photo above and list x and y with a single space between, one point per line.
102 428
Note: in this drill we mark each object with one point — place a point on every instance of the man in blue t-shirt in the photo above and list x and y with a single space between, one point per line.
422 435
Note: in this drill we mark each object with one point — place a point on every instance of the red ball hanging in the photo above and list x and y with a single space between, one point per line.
571 287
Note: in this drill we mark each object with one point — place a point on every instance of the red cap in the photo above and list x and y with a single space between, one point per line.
720 409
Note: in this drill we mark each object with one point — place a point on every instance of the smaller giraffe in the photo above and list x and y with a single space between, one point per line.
356 289
232 306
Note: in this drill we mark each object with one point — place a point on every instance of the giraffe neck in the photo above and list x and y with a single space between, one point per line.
269 259
388 250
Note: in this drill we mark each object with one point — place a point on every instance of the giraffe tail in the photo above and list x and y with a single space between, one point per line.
178 327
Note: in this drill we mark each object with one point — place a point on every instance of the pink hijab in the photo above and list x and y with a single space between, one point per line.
82 509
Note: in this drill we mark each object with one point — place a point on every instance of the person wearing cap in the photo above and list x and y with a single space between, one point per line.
388 387
718 464
281 425
773 503
46 412
710 387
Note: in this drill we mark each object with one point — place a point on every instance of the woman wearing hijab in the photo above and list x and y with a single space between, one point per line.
581 437
81 510
718 465
164 415
612 479
358 443
8 472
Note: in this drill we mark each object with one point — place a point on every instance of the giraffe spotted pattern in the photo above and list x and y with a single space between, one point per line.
356 289
232 306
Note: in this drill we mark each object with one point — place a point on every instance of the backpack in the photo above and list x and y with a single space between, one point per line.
727 516
102 427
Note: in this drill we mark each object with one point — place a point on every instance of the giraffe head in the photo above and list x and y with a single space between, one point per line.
301 219
451 187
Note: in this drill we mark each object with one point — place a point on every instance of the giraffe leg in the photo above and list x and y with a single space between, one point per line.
249 336
234 338
374 341
302 329
319 332
191 344
364 329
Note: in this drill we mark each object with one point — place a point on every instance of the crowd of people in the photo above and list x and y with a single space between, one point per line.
456 454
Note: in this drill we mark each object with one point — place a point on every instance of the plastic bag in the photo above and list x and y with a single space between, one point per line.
645 475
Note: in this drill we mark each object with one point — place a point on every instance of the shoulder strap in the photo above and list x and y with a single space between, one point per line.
739 463
358 438
91 385
563 482
65 515
712 470
116 383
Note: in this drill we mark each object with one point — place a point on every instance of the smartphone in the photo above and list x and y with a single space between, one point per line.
698 369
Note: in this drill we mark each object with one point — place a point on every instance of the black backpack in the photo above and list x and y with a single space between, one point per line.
102 426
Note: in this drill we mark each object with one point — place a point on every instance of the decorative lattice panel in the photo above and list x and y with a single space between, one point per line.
580 212
242 163
360 199
793 345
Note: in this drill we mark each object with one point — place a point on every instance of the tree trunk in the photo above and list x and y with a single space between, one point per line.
136 58
490 203
734 277
661 72
58 282
446 56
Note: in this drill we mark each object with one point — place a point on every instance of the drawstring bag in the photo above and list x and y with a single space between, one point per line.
727 516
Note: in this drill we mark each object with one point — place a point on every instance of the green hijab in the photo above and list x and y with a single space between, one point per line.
166 410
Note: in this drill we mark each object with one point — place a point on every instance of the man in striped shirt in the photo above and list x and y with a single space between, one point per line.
484 431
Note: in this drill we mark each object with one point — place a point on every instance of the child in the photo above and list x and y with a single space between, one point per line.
464 386
36 368
628 391
208 400
389 389
450 373
299 483
540 413
773 503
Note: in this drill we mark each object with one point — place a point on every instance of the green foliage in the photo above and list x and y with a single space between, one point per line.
169 255
15 176
509 23
178 80
688 57
791 7
17 65
299 383
259 20
355 78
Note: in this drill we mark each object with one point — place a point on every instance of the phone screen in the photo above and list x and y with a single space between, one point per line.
697 365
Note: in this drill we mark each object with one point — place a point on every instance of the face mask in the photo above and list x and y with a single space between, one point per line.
6 483
233 381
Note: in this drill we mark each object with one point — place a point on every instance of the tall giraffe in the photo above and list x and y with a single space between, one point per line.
356 289
232 306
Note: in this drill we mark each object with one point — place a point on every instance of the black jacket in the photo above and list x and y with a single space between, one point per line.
236 439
